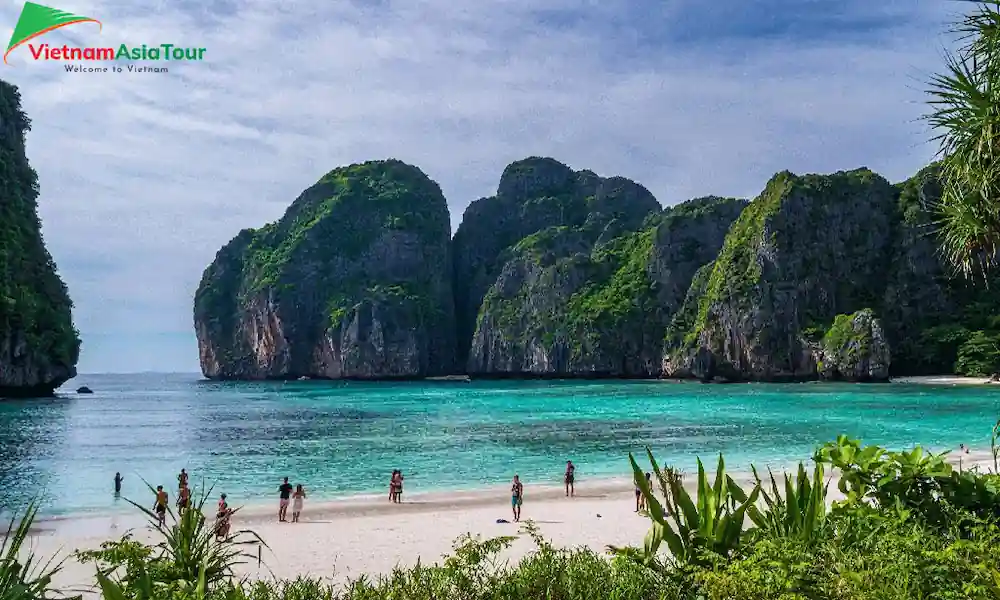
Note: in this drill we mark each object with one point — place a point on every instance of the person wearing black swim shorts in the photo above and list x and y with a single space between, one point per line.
569 477
161 505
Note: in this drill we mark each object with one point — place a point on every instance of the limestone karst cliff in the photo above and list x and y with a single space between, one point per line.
352 282
564 273
583 302
39 346
816 258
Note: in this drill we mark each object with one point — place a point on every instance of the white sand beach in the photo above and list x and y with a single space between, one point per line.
945 380
340 540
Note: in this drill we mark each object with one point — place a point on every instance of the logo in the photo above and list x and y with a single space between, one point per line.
36 20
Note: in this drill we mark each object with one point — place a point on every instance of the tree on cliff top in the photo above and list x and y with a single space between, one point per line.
965 114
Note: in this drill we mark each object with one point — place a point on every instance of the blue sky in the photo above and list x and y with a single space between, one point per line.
143 177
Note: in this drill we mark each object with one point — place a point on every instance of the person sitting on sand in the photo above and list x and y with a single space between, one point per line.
182 479
516 496
284 493
297 498
161 504
568 479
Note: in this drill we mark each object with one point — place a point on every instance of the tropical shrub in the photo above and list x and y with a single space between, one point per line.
712 525
800 514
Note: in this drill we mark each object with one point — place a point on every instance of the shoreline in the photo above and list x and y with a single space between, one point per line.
262 510
944 380
65 389
343 539
355 503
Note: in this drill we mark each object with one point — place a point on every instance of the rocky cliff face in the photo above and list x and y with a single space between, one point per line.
936 321
854 349
534 194
39 346
564 273
589 301
807 249
352 282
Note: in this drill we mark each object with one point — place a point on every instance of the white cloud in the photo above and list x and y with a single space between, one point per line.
144 176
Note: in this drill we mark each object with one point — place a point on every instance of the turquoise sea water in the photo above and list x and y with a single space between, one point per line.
345 438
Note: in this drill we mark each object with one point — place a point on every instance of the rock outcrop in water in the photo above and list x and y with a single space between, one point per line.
352 282
39 346
567 274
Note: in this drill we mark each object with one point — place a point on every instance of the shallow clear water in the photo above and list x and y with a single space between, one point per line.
345 438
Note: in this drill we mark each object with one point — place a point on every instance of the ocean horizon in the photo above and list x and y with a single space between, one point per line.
344 438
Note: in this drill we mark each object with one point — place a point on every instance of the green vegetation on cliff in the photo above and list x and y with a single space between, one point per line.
372 197
35 307
546 213
596 299
932 311
625 294
737 269
275 300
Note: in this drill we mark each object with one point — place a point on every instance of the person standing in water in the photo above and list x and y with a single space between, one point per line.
118 483
516 495
161 504
284 493
568 479
297 498
182 479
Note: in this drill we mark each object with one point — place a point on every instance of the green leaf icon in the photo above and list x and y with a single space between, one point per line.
36 19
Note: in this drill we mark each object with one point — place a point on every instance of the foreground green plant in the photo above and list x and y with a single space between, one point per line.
22 577
188 558
714 524
800 514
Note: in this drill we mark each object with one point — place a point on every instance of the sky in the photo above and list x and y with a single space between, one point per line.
144 176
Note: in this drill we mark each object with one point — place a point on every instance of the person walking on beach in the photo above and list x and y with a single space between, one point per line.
284 493
118 483
161 504
297 498
182 479
222 518
568 479
516 495
640 500
183 499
